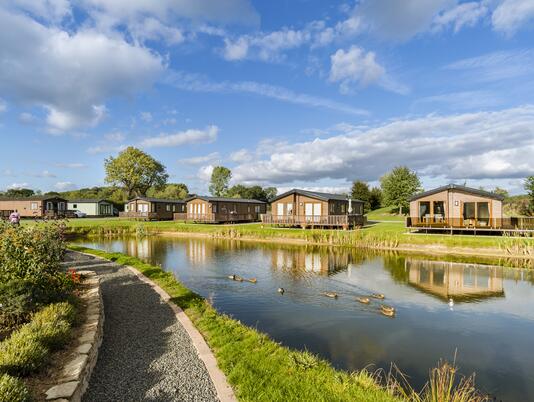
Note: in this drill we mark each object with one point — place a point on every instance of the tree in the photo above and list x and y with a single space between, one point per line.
251 193
501 191
270 192
136 171
220 179
19 193
375 198
398 186
529 186
360 191
173 191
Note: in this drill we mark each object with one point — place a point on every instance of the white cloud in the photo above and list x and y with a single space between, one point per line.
204 173
146 117
460 16
17 186
208 135
354 66
70 74
102 149
27 118
44 173
74 165
462 146
198 160
65 186
196 83
115 136
241 156
511 15
50 10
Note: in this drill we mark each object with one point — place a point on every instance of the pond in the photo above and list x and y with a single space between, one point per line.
483 314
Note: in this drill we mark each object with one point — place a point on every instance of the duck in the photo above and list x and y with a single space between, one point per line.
451 303
238 278
333 295
363 300
232 277
386 308
281 291
378 296
388 313
252 280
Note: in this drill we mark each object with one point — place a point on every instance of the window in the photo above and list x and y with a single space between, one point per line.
73 206
214 208
469 210
168 207
332 207
257 209
343 208
483 213
289 208
439 208
424 209
173 207
248 209
49 206
33 206
61 206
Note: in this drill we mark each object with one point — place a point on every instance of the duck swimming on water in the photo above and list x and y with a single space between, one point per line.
281 291
252 280
333 295
387 309
388 313
363 300
378 296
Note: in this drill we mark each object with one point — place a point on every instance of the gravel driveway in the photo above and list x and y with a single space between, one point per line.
146 355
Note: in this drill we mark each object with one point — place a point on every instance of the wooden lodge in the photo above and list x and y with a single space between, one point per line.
39 206
147 208
460 208
314 209
92 207
221 210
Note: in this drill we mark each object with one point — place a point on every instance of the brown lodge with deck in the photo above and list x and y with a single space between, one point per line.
152 208
314 209
454 207
222 210
36 206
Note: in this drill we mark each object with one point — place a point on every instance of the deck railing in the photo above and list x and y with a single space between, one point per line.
138 215
313 220
215 217
511 223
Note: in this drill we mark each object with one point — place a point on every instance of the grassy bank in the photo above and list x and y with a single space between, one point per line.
389 235
258 368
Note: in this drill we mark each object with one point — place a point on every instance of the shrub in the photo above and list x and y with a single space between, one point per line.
22 353
52 324
13 390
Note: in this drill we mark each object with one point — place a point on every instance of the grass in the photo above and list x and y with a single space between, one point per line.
258 368
386 214
383 235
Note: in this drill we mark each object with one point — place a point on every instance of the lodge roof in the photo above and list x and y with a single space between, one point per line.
460 188
151 199
225 199
315 194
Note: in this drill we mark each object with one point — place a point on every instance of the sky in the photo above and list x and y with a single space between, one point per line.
296 93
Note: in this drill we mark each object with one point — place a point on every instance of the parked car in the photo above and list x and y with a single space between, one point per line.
79 214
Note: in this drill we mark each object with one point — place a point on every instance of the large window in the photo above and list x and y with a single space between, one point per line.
33 206
483 213
289 208
469 210
424 209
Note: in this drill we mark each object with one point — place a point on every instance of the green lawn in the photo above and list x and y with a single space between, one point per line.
386 214
258 368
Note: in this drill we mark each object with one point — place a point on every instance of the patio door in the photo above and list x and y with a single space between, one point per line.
280 209
142 208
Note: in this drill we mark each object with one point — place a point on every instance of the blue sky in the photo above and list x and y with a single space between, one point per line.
302 93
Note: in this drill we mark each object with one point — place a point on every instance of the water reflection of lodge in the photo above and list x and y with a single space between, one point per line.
142 248
455 280
302 261
199 251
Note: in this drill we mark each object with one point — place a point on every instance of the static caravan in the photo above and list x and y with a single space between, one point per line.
222 210
152 208
92 207
36 206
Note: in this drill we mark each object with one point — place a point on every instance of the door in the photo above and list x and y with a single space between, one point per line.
143 209
308 211
317 212
280 209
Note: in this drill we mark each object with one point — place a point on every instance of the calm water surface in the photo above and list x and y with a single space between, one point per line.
489 325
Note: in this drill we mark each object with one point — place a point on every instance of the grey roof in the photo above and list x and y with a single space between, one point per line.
34 198
151 199
315 194
458 187
223 199
89 200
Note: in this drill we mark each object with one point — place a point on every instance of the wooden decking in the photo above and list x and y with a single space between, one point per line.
139 215
339 221
215 217
512 224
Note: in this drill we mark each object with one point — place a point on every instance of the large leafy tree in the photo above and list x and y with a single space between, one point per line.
360 191
136 171
19 193
375 198
251 192
220 180
173 191
529 186
398 186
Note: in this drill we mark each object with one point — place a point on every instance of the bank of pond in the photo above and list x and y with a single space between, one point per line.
326 300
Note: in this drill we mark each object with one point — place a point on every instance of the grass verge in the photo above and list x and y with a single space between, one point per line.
258 368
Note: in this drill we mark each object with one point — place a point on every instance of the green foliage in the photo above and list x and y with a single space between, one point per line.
13 390
360 191
398 186
251 192
172 191
27 349
220 180
375 198
501 191
113 194
19 193
136 171
529 186
30 270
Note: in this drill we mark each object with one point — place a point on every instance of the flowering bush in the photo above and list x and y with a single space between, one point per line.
30 270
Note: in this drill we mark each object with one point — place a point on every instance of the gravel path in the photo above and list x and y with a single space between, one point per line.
146 355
